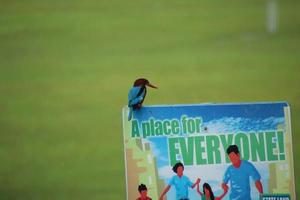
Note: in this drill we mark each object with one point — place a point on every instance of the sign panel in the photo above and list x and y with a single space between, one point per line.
238 151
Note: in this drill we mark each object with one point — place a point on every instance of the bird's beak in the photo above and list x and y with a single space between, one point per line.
153 86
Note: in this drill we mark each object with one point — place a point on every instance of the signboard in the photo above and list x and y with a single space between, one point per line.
199 137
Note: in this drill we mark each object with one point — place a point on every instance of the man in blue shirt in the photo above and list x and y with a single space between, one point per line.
238 175
181 183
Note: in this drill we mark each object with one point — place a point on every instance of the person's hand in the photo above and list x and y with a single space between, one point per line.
161 198
198 181
217 198
225 187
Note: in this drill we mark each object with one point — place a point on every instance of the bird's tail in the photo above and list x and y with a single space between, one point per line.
130 114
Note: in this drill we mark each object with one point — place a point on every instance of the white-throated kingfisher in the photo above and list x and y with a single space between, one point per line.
137 95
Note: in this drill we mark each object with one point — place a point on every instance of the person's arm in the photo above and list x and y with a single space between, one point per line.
198 190
196 183
259 186
164 192
225 189
256 177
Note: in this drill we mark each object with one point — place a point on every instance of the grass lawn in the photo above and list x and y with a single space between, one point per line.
66 67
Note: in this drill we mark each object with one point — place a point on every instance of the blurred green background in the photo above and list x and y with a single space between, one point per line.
66 67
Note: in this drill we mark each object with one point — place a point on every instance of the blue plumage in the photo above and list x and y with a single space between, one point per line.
134 99
137 95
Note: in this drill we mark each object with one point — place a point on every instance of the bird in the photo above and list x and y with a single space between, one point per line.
137 94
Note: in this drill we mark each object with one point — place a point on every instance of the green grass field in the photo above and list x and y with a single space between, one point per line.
66 67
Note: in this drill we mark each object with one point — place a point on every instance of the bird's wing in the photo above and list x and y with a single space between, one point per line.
133 97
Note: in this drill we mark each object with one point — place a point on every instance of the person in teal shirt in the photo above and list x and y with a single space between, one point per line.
180 182
208 194
238 174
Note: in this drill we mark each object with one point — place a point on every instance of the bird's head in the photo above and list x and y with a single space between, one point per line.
143 82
